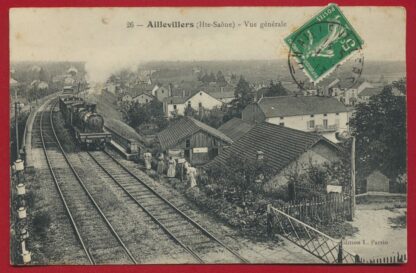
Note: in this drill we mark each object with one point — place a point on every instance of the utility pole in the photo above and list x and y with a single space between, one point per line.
352 200
344 138
16 120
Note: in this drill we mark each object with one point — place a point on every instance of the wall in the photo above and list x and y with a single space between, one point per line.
319 154
141 99
301 123
206 100
169 108
377 182
161 93
126 98
201 139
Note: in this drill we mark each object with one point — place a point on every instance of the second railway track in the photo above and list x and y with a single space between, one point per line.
101 243
99 226
187 233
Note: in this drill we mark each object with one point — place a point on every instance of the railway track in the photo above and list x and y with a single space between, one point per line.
99 240
188 234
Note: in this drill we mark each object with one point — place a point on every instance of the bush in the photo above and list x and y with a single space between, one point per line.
41 223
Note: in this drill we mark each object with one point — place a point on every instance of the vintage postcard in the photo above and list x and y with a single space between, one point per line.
216 135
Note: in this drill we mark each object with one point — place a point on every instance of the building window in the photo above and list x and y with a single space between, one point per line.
200 93
325 115
163 91
282 123
174 106
337 114
188 143
189 103
200 105
147 100
311 124
281 117
312 116
325 123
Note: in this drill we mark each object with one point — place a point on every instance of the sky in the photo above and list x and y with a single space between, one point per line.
99 36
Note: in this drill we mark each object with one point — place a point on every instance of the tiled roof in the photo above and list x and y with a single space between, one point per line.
175 100
181 99
235 128
280 145
138 90
143 93
222 95
284 106
184 128
370 91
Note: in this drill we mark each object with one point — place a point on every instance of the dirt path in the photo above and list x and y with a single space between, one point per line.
379 234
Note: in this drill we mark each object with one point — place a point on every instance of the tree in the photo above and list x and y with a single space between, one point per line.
380 131
400 85
275 90
242 176
243 93
212 77
152 112
220 77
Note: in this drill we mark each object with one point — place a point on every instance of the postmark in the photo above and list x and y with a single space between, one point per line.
323 43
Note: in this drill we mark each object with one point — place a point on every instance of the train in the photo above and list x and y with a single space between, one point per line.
82 119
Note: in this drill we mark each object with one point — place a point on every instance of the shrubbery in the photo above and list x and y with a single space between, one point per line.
41 223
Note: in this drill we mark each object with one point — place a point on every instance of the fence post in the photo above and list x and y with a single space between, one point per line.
269 221
291 189
340 254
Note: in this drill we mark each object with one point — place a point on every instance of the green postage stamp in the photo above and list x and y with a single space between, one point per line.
323 43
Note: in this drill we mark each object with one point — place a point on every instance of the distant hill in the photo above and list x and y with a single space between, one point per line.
266 70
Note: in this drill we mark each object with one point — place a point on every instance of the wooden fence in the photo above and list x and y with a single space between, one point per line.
396 259
331 208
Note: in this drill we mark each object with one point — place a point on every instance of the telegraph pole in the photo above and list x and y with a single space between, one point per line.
16 119
344 138
352 200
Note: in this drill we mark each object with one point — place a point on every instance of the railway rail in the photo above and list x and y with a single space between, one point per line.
187 233
99 240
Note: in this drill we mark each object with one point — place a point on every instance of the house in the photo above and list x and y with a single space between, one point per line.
197 142
283 149
324 115
368 92
198 100
224 96
235 128
309 92
347 94
161 91
139 93
126 97
142 98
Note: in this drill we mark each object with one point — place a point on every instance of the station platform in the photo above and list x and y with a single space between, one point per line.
123 151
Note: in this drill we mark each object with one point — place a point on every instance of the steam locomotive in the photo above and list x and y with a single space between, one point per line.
84 121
